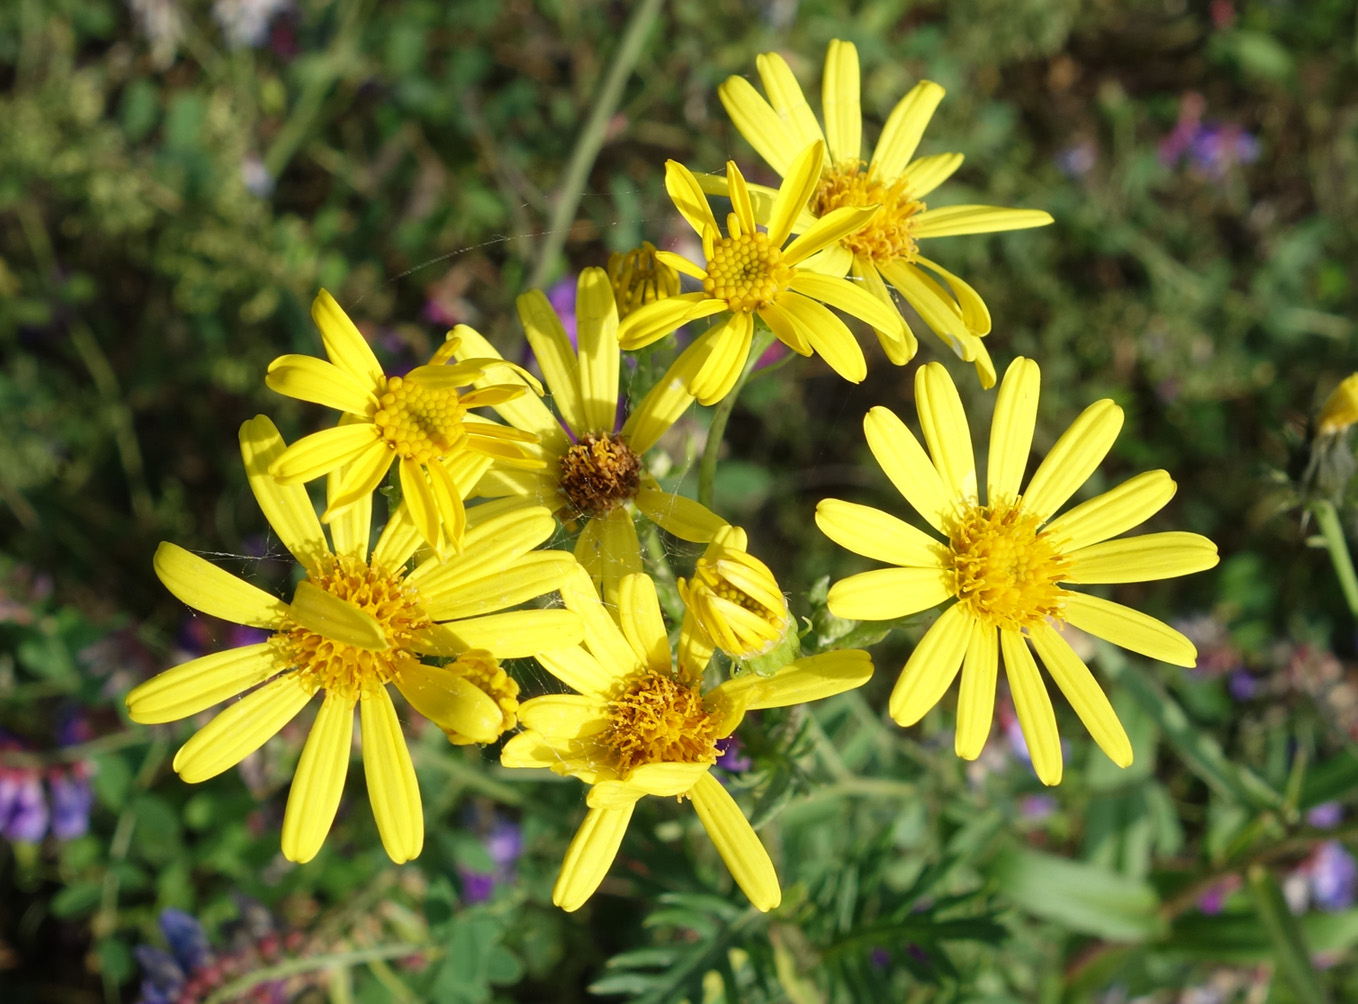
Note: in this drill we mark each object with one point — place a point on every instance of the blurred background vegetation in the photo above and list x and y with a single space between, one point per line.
179 177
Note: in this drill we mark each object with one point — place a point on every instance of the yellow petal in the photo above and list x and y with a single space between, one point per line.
613 795
1033 707
339 620
660 408
831 227
937 310
552 349
345 346
794 193
517 634
392 788
834 260
976 697
1084 694
451 702
200 683
602 636
736 842
809 679
321 452
666 779
787 99
904 127
1073 459
728 347
757 122
695 645
590 855
492 541
398 541
619 552
1129 629
205 587
740 198
288 508
1011 430
788 329
944 424
875 534
351 527
596 314
241 729
419 501
307 378
975 314
927 173
358 479
1143 559
319 781
579 670
827 335
887 593
653 321
565 716
528 749
533 575
526 412
452 514
681 264
850 297
951 221
907 465
839 102
1129 504
688 198
931 668
900 350
639 617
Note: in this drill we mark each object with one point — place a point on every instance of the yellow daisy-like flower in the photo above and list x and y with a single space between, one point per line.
418 421
638 726
885 248
751 272
357 623
639 278
732 602
592 470
1007 563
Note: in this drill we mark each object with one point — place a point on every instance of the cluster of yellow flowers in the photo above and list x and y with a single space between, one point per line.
449 591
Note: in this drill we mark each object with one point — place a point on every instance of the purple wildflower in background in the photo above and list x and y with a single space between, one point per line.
1037 807
504 846
23 810
1213 900
562 298
1326 815
731 755
1242 685
1210 148
1077 160
1334 876
72 799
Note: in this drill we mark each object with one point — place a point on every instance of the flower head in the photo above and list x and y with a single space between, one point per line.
1340 409
639 277
733 600
593 470
358 622
638 725
884 247
751 272
1008 564
419 421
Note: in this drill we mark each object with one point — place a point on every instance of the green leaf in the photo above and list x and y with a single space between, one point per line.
1285 934
76 899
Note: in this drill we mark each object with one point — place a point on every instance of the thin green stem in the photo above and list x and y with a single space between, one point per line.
721 414
293 967
591 138
1327 518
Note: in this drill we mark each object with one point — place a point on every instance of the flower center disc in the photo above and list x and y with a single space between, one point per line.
747 272
887 235
1007 571
659 719
420 423
334 666
599 473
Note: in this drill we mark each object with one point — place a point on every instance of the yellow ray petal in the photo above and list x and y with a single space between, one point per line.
1084 694
339 620
1033 707
850 297
619 553
596 314
666 779
589 856
736 842
531 749
526 412
359 478
976 697
884 594
288 508
938 311
552 348
931 668
904 127
241 729
1143 559
351 526
809 679
834 260
200 683
875 534
943 421
321 452
900 350
1073 459
1116 511
975 314
951 221
787 99
661 407
533 575
613 795
419 501
392 788
788 329
1011 430
204 586
757 122
1129 629
831 227
653 321
492 541
927 173
398 541
452 514
740 198
904 461
827 335
794 193
451 702
345 346
319 781
565 716
602 636
517 634
689 198
727 347
681 264
639 617
839 102
307 378
579 670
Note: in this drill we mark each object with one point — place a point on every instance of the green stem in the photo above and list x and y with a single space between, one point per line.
721 414
1327 518
591 138
314 963
67 754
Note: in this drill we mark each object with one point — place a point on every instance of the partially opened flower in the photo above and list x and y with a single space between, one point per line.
753 272
1007 563
593 469
418 421
732 602
639 726
885 247
356 623
639 278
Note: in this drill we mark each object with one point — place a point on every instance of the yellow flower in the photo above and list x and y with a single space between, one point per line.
884 249
591 470
638 727
751 272
639 278
356 623
1341 408
1006 562
732 602
419 420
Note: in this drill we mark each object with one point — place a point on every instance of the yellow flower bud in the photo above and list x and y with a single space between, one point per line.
1341 408
639 278
734 600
